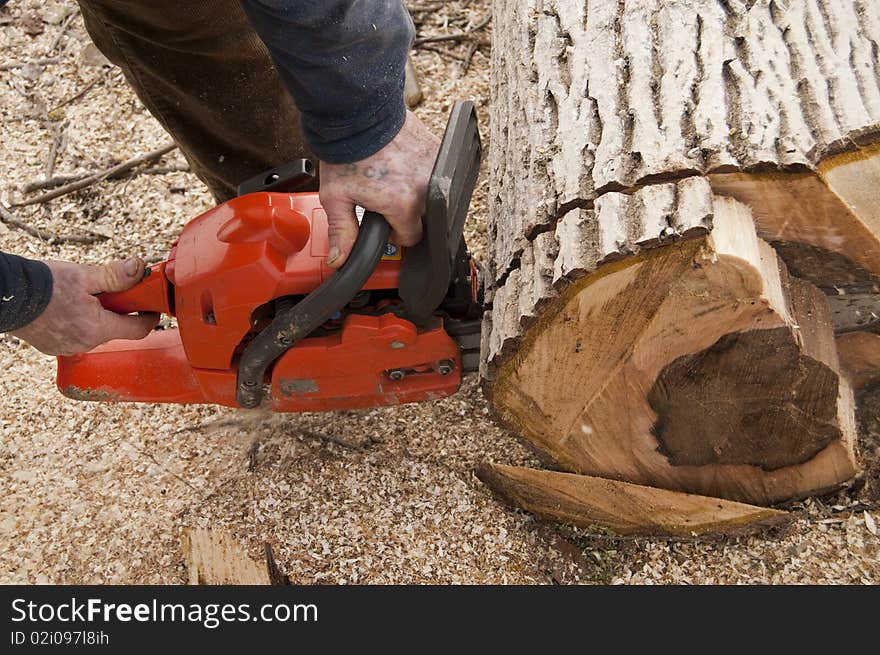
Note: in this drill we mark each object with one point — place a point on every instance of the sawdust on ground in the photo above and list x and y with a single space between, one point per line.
98 493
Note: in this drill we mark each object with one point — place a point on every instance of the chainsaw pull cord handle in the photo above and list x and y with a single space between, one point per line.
314 310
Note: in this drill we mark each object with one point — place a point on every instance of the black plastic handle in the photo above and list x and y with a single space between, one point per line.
314 310
286 178
430 266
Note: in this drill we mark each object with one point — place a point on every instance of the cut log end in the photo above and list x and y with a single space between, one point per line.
700 366
812 226
859 354
594 503
791 419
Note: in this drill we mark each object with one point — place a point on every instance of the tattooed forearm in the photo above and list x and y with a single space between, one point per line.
369 172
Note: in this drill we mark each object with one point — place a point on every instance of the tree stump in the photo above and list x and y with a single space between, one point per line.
674 189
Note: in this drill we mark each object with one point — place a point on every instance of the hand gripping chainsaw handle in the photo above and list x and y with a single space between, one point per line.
288 327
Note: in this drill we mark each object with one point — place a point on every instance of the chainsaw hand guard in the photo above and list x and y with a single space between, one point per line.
314 310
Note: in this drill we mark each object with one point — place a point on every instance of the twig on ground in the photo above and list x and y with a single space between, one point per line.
88 87
21 64
151 156
10 219
345 443
58 180
473 46
428 6
457 36
61 32
164 170
57 141
443 53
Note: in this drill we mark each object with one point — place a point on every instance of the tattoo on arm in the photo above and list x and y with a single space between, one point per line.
369 172
372 173
348 170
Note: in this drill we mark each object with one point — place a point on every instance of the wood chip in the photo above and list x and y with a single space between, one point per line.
870 524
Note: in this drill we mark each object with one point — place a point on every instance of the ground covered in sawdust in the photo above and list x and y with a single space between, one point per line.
95 493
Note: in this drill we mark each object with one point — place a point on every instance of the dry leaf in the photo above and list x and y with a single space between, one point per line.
32 25
870 524
54 13
90 56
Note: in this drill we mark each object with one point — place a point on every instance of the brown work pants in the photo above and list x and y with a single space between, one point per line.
203 72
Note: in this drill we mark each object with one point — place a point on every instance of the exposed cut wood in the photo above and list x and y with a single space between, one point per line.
813 229
700 366
855 177
215 557
627 509
412 88
859 354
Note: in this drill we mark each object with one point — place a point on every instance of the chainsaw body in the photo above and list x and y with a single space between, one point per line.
262 320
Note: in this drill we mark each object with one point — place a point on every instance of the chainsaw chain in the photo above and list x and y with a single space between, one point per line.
467 335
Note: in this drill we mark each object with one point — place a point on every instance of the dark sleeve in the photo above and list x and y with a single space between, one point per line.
26 286
343 62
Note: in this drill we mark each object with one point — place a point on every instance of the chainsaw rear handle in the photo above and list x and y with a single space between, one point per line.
293 324
151 294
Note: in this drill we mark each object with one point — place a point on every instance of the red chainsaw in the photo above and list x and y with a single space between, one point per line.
261 320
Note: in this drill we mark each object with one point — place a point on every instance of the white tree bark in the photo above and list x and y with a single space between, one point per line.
590 97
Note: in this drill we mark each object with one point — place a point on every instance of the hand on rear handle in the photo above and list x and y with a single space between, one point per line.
392 182
74 320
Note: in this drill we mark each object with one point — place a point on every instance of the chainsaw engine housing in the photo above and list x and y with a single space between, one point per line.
238 275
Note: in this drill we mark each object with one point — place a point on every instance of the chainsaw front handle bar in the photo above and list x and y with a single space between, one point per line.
313 311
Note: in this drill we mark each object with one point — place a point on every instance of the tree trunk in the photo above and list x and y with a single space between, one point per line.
673 186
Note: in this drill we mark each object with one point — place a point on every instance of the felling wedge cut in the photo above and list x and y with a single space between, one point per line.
677 190
625 508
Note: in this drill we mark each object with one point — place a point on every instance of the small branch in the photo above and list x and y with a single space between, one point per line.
21 64
163 170
58 180
457 36
10 219
57 140
88 87
345 443
430 6
103 175
473 46
443 53
62 32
